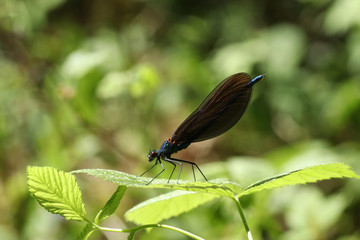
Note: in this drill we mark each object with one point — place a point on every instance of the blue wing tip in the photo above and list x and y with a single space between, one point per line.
255 80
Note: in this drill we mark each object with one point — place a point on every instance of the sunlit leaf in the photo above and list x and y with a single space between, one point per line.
57 191
111 205
86 232
302 176
167 205
215 186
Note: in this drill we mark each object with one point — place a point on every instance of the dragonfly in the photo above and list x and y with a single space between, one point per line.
219 112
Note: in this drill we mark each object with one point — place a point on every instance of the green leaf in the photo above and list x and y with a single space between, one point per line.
86 232
302 176
224 187
111 205
57 191
215 186
131 236
167 205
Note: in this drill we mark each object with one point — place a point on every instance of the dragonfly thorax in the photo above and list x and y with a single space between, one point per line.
167 149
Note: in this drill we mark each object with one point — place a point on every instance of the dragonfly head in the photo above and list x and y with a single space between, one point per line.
152 155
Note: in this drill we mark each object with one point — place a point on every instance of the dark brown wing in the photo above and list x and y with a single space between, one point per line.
221 110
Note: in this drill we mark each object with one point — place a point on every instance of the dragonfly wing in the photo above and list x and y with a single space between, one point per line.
220 110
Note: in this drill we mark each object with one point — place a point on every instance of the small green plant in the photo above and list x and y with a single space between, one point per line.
59 193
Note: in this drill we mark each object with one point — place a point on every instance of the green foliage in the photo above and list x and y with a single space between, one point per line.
226 188
111 205
217 186
97 85
167 205
302 176
86 232
57 192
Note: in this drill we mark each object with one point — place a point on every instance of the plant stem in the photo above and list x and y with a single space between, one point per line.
135 229
238 205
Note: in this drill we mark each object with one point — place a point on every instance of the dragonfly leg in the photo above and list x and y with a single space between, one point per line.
193 164
174 161
172 170
156 162
163 169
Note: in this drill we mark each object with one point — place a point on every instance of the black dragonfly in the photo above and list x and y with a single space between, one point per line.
219 112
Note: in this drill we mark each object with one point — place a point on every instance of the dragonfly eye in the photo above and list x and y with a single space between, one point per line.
152 155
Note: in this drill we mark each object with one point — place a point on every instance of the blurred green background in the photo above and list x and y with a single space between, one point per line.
97 84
